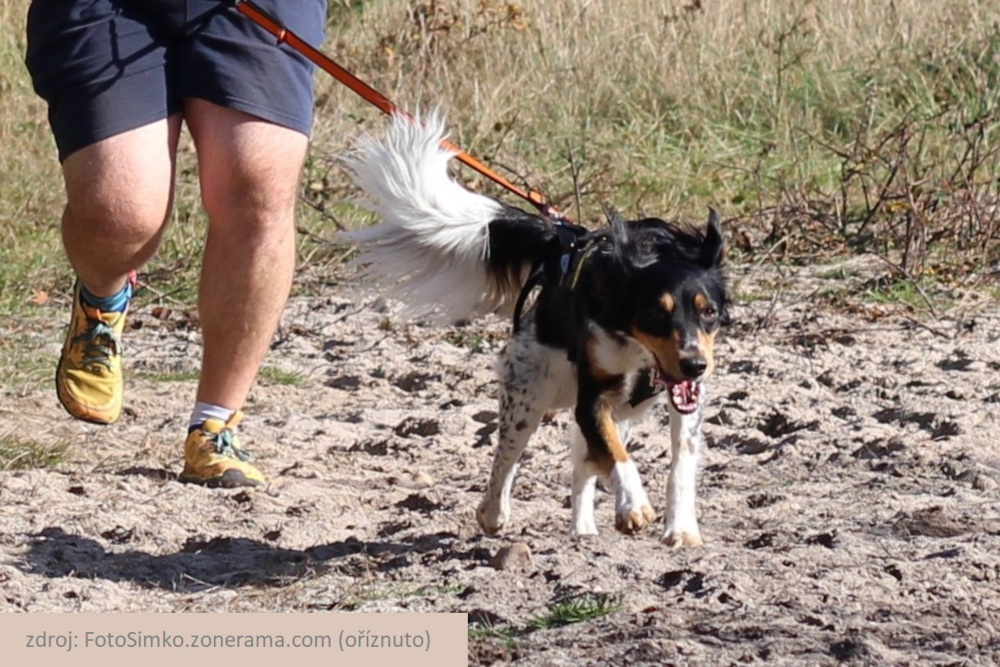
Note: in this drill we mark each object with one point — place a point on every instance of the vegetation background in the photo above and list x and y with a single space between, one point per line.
818 128
850 495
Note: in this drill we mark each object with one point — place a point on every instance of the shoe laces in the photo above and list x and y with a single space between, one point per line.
225 445
101 343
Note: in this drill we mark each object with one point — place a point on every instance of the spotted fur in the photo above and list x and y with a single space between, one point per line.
619 319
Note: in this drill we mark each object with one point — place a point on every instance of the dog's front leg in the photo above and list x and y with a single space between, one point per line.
607 452
687 445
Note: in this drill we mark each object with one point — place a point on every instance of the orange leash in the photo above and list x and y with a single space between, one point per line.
380 101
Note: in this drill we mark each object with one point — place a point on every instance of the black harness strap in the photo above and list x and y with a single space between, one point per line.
646 387
555 265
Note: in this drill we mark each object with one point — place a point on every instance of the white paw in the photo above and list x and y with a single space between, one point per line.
678 538
632 509
491 517
584 526
634 518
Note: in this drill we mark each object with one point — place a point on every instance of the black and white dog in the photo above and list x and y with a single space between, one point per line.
606 322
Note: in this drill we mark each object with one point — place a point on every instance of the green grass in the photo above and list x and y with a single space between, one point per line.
577 610
272 375
23 365
170 376
19 453
912 294
568 611
505 634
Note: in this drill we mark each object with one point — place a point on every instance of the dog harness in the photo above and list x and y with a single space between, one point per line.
575 244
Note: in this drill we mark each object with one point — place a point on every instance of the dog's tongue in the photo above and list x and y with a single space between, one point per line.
684 395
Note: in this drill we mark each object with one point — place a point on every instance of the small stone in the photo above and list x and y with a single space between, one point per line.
415 480
422 480
983 482
514 557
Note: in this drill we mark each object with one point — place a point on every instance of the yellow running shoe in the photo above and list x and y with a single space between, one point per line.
213 456
89 375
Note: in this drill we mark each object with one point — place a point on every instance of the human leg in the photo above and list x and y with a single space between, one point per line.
249 173
248 105
104 72
119 194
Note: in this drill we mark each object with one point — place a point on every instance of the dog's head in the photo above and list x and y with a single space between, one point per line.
675 298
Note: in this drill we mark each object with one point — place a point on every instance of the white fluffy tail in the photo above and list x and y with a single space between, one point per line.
432 243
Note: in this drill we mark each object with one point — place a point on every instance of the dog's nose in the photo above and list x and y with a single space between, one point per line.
694 367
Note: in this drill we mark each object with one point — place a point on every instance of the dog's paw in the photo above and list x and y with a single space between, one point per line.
491 519
676 539
632 509
583 522
631 520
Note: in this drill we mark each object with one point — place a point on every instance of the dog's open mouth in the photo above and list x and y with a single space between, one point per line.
685 395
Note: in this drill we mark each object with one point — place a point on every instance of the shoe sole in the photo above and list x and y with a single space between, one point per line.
231 479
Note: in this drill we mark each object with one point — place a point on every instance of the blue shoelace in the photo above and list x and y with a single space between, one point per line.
101 344
225 445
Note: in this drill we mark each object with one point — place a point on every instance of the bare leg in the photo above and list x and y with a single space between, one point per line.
249 173
119 195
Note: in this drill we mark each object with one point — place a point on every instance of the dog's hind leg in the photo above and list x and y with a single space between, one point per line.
520 415
687 445
584 486
534 379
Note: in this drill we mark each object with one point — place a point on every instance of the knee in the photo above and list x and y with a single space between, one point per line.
111 193
125 208
253 208
131 225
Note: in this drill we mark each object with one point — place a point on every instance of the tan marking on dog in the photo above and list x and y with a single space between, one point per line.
667 351
677 540
636 521
608 430
701 302
706 343
667 302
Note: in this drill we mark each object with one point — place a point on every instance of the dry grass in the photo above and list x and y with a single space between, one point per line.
818 128
22 453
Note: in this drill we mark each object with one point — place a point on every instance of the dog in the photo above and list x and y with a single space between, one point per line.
608 322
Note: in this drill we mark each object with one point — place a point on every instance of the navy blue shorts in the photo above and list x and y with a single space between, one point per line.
108 66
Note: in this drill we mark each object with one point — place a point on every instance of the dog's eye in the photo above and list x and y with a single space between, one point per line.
710 313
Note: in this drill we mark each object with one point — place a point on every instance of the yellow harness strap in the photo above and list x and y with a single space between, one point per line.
579 264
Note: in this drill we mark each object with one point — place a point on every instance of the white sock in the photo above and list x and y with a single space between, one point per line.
204 411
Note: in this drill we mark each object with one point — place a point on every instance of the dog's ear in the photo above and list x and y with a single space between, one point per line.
619 230
621 240
713 247
627 252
